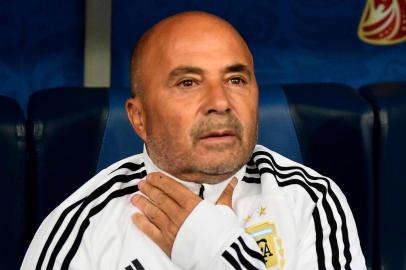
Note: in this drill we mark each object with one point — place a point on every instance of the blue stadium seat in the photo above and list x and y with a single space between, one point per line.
389 102
327 127
13 160
73 133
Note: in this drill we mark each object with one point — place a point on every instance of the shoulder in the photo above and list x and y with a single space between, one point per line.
101 198
317 203
112 179
286 172
266 161
307 189
116 181
262 155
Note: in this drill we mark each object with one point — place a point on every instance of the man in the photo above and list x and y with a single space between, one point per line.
201 195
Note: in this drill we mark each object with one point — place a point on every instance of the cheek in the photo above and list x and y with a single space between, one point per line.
248 114
170 127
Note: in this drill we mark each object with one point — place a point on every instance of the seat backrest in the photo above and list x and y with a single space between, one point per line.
389 102
73 133
276 129
327 127
13 160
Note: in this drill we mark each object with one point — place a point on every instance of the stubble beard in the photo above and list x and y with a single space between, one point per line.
191 165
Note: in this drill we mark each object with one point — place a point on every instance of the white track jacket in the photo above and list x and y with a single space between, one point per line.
285 216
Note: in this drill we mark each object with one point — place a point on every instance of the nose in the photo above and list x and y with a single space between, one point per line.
217 99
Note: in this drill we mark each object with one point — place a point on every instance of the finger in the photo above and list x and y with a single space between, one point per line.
227 195
158 197
146 226
165 203
153 232
179 193
153 213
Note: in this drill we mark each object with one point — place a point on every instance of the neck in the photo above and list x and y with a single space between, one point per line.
192 176
202 178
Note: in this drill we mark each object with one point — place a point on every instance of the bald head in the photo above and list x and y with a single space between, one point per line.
171 34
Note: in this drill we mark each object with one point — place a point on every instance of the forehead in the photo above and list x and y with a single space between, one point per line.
205 44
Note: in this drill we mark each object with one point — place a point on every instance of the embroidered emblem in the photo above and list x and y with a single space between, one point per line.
262 211
270 244
247 218
383 22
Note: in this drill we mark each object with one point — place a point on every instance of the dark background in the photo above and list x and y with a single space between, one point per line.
42 41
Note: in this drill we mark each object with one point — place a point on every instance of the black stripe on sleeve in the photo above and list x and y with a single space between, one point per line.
83 203
138 265
86 222
251 170
300 172
319 240
329 214
242 259
95 194
230 259
130 166
316 218
54 231
252 253
251 180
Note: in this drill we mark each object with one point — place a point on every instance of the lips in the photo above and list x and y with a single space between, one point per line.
218 134
217 129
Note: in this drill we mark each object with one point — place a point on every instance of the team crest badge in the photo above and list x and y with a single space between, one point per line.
383 22
270 244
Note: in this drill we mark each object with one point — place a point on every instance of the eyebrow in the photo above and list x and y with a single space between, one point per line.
237 68
182 70
179 71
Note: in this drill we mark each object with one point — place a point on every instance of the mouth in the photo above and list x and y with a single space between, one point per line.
222 135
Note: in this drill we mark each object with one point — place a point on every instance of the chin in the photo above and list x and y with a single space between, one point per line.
221 165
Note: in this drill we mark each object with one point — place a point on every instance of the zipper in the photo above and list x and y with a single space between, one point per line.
201 191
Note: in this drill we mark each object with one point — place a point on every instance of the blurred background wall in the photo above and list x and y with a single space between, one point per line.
41 45
42 42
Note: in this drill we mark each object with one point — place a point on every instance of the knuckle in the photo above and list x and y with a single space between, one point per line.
153 195
151 212
159 199
172 231
141 204
154 177
170 190
230 189
227 192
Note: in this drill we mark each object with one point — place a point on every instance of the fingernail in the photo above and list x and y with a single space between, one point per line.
135 198
141 183
135 217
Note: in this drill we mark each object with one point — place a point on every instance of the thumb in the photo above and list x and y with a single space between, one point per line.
227 195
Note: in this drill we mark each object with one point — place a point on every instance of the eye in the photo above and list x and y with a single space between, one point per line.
237 81
186 83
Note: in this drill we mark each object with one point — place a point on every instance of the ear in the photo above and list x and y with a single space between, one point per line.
136 115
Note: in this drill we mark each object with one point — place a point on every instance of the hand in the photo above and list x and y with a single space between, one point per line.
166 206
